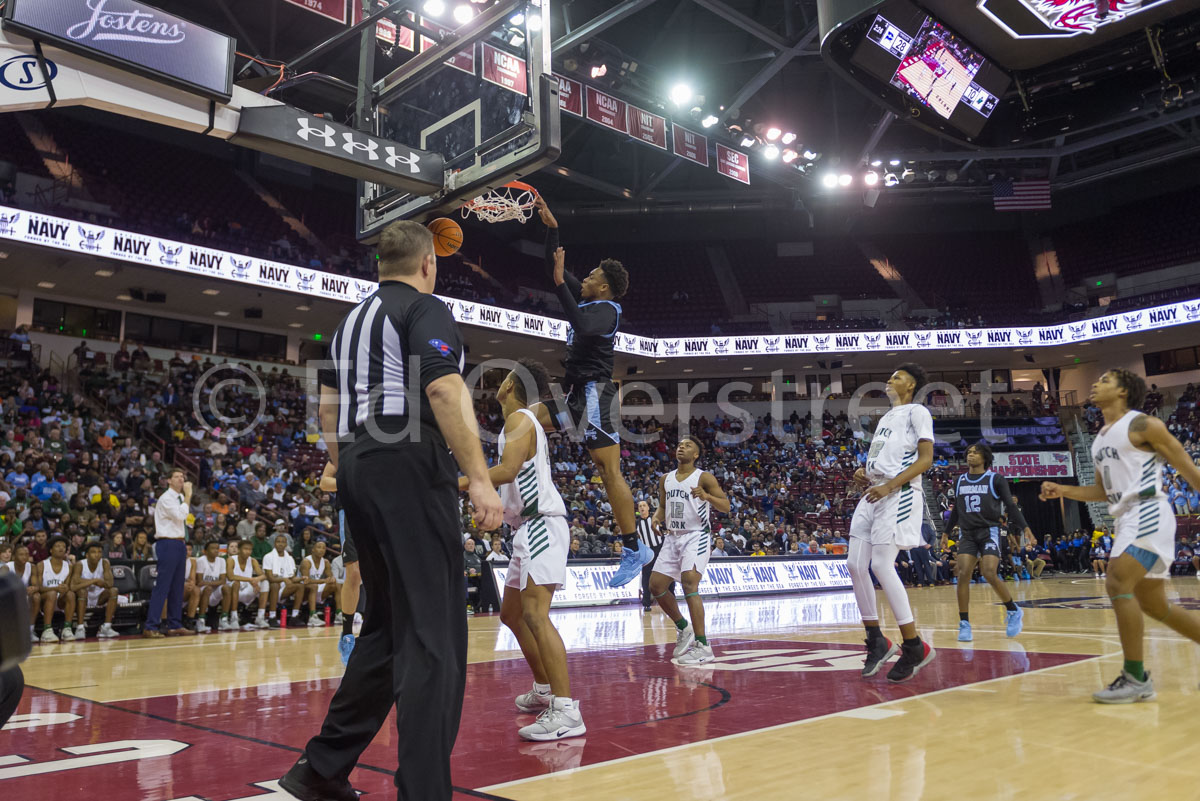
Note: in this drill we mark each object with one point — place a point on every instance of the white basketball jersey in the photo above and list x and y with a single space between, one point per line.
53 579
87 574
210 571
532 493
684 513
317 569
28 575
1131 476
894 444
244 572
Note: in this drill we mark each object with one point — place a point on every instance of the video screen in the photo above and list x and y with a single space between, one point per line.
910 50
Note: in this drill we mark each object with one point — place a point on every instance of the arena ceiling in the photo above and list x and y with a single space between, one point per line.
761 59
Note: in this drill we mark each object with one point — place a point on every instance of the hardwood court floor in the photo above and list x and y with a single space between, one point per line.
782 714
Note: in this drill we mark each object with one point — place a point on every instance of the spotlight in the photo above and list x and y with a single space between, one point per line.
789 156
890 179
933 175
771 151
599 71
434 8
894 163
773 134
844 179
830 180
680 94
951 175
535 22
788 138
877 163
517 19
748 140
810 156
463 14
871 178
709 121
908 176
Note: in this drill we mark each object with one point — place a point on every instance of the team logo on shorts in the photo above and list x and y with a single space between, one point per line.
90 239
170 256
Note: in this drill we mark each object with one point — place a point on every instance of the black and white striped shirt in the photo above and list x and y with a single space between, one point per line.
392 344
647 534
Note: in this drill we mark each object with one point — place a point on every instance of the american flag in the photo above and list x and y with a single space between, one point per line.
1010 195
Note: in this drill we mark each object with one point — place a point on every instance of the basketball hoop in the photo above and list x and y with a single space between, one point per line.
513 201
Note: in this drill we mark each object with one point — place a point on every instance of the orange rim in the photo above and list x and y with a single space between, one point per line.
478 204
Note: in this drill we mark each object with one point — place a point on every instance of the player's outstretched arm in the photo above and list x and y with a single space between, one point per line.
1147 430
1093 492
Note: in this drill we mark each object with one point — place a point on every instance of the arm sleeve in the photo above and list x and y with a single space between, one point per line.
434 338
1005 494
596 319
570 282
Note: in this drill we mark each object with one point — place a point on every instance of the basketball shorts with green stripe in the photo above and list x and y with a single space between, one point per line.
687 550
540 553
894 520
1147 533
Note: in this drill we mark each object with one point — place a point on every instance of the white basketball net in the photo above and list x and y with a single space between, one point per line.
502 204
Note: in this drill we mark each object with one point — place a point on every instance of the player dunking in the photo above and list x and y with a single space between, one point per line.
685 496
594 316
1129 454
537 514
979 495
888 519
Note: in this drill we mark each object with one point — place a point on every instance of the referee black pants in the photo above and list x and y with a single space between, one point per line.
401 502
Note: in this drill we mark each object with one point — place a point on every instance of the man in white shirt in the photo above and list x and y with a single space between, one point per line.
888 520
170 516
282 580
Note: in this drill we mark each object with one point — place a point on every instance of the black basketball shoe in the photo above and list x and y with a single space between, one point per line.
879 650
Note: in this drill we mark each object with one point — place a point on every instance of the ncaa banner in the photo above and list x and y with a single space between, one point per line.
587 582
1034 464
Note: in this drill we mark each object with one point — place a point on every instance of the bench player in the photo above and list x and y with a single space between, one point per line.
979 496
282 581
53 580
537 514
685 496
590 396
888 520
1129 453
94 586
245 577
208 576
317 578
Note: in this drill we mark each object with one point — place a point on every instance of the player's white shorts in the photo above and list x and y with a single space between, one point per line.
1147 533
894 520
214 597
540 553
247 592
682 552
93 596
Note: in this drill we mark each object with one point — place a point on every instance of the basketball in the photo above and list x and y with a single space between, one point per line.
447 236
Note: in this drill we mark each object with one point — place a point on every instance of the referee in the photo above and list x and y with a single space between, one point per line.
393 409
652 540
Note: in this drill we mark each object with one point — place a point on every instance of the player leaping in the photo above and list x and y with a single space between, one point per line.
1129 454
589 394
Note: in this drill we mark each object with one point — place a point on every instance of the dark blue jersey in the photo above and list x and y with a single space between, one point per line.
980 500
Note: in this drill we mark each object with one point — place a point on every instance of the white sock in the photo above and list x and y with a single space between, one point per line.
561 702
541 689
262 613
272 614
